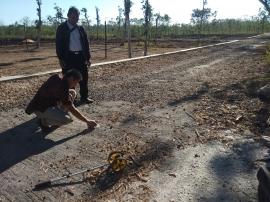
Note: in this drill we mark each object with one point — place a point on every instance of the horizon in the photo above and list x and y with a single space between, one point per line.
179 13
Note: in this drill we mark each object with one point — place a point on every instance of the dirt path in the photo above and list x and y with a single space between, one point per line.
17 61
155 110
209 172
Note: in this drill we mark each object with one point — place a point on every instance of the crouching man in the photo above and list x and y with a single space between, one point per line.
54 100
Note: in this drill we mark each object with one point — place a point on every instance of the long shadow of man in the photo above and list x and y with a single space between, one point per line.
23 141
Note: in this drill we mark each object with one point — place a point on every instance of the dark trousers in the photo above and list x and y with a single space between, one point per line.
77 61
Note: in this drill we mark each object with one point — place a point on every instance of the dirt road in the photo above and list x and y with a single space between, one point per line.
176 115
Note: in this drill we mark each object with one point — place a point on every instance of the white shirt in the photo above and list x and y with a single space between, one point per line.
74 39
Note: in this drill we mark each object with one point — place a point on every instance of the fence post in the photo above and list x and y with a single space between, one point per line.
105 39
25 36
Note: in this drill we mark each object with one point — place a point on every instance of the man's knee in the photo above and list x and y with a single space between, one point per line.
57 116
62 121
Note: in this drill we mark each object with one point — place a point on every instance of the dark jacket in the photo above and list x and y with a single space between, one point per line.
62 42
55 89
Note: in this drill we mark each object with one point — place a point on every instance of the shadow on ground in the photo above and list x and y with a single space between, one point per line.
196 95
234 173
243 92
155 152
241 95
23 141
2 64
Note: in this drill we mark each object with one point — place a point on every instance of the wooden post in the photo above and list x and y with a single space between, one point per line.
39 23
129 37
26 42
105 40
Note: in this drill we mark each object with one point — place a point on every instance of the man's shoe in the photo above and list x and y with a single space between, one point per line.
87 100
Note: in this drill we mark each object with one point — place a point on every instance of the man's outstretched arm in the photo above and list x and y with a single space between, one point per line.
74 111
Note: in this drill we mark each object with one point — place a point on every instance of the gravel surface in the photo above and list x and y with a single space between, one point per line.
156 110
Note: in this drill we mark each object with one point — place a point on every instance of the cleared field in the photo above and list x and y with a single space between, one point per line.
16 60
171 113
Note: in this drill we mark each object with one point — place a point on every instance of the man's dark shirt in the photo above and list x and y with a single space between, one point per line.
55 89
62 42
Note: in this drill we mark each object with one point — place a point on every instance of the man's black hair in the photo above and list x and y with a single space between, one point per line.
75 74
73 9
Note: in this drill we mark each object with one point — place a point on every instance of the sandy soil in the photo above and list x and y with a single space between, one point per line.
176 115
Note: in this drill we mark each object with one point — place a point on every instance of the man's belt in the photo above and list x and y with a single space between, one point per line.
76 52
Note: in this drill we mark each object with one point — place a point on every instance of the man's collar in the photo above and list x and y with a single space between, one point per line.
70 26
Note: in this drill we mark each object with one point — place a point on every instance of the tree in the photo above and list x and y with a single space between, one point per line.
263 18
98 20
147 11
52 21
59 17
119 18
26 22
112 23
38 22
266 4
157 19
199 17
127 6
167 19
86 19
137 21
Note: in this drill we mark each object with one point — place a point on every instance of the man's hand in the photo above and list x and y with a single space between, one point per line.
63 64
74 111
91 124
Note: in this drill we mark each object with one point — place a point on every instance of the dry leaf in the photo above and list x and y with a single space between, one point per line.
172 175
140 177
69 191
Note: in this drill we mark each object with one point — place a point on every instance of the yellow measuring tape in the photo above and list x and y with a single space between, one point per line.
117 161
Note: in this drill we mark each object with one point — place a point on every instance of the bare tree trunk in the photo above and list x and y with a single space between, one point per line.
125 31
127 5
146 39
129 37
145 46
156 31
98 21
147 9
84 10
263 24
97 31
266 5
201 22
39 24
88 28
105 40
38 38
26 41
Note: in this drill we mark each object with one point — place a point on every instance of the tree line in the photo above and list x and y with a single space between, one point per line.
151 27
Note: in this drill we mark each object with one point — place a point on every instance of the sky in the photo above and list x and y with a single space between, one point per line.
179 10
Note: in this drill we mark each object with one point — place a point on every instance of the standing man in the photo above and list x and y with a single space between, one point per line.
72 49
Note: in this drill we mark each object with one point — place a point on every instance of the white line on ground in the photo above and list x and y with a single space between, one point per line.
16 77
